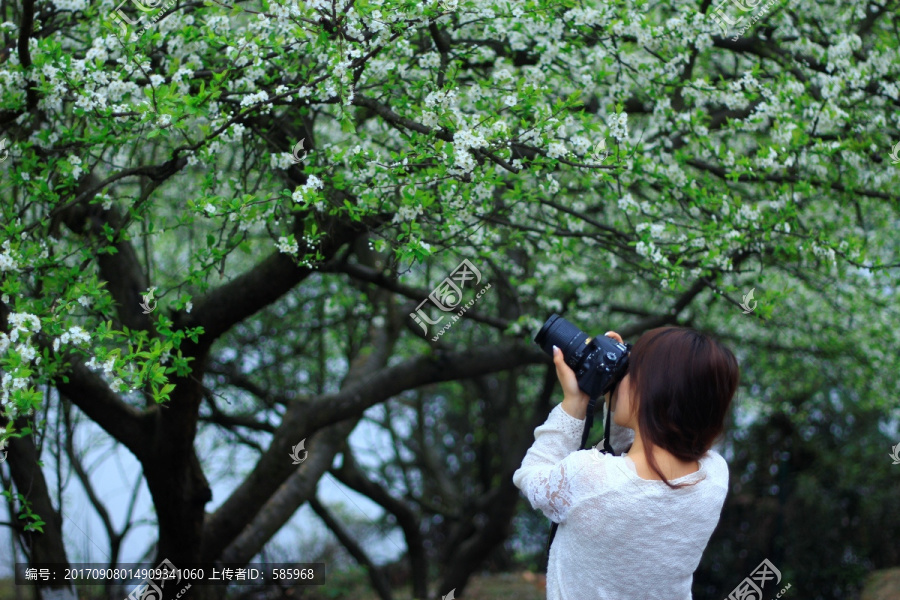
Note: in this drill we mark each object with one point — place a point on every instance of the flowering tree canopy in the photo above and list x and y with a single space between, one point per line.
190 178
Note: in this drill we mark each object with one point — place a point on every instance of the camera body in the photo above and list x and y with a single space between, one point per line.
599 362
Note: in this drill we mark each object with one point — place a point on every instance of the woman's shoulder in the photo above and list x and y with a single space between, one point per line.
716 467
596 465
715 459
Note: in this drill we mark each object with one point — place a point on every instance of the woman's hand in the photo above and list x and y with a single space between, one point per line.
574 401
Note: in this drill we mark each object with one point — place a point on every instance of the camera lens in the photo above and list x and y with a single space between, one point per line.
559 332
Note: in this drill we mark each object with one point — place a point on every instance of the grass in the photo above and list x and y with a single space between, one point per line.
882 585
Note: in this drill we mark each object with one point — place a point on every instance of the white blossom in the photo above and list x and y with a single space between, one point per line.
287 246
251 99
407 213
627 203
7 260
23 323
618 126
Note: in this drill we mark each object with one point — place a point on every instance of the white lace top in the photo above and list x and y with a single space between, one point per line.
620 537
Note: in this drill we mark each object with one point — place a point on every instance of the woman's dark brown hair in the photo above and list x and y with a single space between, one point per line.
682 383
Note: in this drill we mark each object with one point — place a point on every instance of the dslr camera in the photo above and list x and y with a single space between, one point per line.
599 362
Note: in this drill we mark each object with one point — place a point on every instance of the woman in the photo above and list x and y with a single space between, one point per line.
634 526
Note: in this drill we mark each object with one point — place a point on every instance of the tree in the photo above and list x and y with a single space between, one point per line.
154 216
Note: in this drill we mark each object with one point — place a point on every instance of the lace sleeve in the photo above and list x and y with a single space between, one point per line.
548 470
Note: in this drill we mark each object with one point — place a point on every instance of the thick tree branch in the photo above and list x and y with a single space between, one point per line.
46 547
476 548
376 575
125 277
350 475
115 537
245 295
227 421
25 30
246 528
154 172
123 422
299 487
242 381
302 420
373 276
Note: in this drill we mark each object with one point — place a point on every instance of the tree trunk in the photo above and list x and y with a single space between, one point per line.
46 547
178 485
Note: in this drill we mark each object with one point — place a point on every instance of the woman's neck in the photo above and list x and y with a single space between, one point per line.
671 467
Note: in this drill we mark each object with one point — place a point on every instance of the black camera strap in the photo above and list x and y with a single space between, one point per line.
607 448
589 422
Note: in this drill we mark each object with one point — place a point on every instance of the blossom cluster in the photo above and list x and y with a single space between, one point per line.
22 328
